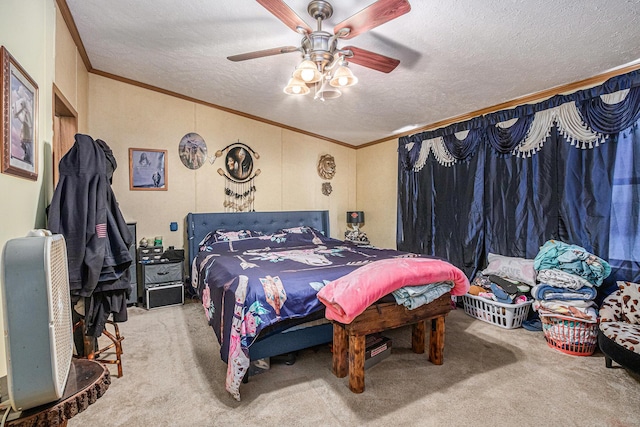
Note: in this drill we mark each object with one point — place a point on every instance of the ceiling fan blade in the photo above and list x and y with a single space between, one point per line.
373 15
262 53
372 60
284 13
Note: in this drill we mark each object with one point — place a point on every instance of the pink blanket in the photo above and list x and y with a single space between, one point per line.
350 295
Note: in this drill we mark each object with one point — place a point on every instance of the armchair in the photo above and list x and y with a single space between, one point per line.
619 329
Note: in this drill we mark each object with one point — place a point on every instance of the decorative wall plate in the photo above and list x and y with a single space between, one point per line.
192 150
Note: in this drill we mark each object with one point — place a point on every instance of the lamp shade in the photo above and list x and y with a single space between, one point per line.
327 91
296 87
355 217
308 72
343 77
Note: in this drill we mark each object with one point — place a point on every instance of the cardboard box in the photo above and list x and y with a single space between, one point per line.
378 348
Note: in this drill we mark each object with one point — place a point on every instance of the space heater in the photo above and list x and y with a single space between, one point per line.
36 305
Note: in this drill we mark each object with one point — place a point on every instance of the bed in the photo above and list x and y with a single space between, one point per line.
258 275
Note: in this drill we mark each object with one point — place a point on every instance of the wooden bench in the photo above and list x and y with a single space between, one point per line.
349 339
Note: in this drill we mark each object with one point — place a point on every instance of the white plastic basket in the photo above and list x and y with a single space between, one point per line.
507 316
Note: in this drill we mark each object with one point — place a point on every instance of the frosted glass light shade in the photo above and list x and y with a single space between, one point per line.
343 77
308 72
327 91
296 87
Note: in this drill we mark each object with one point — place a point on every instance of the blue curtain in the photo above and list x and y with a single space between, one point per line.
520 204
488 197
429 216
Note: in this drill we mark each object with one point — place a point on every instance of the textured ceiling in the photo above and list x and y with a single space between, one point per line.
457 56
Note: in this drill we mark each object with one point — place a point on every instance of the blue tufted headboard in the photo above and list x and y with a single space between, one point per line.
199 224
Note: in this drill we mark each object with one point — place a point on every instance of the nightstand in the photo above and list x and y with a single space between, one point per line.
133 275
162 283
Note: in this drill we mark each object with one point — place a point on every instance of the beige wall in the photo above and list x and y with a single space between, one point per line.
377 182
127 116
26 31
35 35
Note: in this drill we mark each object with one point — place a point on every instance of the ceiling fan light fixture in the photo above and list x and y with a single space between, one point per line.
324 66
327 91
343 77
296 87
308 72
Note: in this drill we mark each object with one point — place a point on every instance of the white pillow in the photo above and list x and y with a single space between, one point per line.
514 268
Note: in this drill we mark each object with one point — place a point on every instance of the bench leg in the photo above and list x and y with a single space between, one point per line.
418 337
436 341
356 362
340 343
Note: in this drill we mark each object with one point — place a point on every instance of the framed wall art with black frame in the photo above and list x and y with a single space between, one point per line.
19 119
148 169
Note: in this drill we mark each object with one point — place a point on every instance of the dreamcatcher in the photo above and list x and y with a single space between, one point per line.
240 177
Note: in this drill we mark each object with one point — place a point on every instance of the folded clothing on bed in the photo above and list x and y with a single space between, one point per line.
348 296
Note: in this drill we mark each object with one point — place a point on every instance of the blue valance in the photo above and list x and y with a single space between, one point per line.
505 139
585 117
611 118
463 149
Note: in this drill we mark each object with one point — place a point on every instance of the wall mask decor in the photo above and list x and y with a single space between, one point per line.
326 170
326 166
193 151
326 188
240 175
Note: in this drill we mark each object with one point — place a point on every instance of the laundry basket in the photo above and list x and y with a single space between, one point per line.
569 335
507 316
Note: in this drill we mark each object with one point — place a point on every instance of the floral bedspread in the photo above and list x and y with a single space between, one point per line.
255 281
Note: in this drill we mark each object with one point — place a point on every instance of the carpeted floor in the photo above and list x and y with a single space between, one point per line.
173 376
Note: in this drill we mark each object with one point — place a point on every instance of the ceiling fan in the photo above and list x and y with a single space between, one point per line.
323 62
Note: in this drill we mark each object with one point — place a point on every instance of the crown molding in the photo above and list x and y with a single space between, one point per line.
527 99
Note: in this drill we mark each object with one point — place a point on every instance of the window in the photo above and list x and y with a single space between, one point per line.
624 241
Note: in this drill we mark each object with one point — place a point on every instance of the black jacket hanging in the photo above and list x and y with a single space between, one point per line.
85 211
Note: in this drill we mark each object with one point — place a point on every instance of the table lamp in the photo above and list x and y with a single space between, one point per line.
355 218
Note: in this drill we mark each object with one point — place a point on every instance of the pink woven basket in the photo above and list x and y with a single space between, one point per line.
568 334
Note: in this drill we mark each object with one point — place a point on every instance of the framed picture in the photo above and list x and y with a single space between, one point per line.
147 169
19 121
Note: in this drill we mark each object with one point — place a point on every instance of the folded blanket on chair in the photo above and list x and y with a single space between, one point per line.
350 295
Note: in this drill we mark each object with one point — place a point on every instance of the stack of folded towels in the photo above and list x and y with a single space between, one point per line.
567 278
